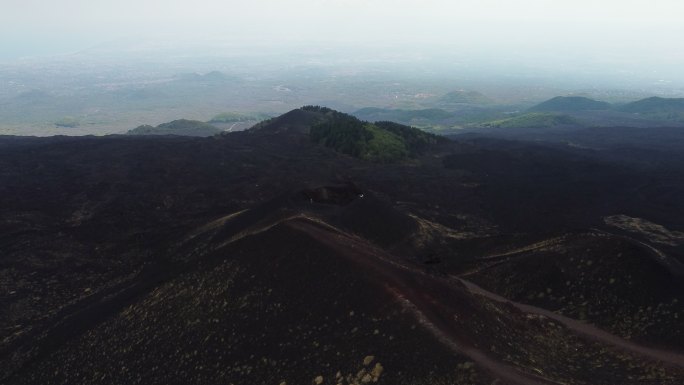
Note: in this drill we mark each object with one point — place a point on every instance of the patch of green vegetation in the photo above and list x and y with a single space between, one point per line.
379 142
343 133
236 117
320 109
534 120
181 127
570 104
68 121
383 146
415 140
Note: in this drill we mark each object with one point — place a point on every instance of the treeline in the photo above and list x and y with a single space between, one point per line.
379 142
416 140
320 109
342 132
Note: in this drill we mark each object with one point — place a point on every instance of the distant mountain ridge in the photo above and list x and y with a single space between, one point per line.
465 97
570 104
560 111
653 105
646 112
180 127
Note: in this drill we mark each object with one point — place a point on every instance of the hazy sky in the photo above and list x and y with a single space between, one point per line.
37 27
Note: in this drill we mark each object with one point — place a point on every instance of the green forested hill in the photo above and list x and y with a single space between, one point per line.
378 142
570 104
181 127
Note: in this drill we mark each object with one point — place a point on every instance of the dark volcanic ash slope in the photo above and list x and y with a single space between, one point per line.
595 276
291 298
265 257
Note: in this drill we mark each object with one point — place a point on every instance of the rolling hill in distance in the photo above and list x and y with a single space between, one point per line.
655 104
570 104
115 87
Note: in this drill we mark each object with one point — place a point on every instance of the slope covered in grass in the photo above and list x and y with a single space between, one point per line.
378 142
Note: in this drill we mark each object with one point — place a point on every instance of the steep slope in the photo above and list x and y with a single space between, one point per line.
299 120
605 279
246 314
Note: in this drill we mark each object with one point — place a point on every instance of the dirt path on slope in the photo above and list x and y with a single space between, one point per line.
673 265
583 328
405 284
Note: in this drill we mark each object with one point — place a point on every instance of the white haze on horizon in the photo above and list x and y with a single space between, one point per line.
642 34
